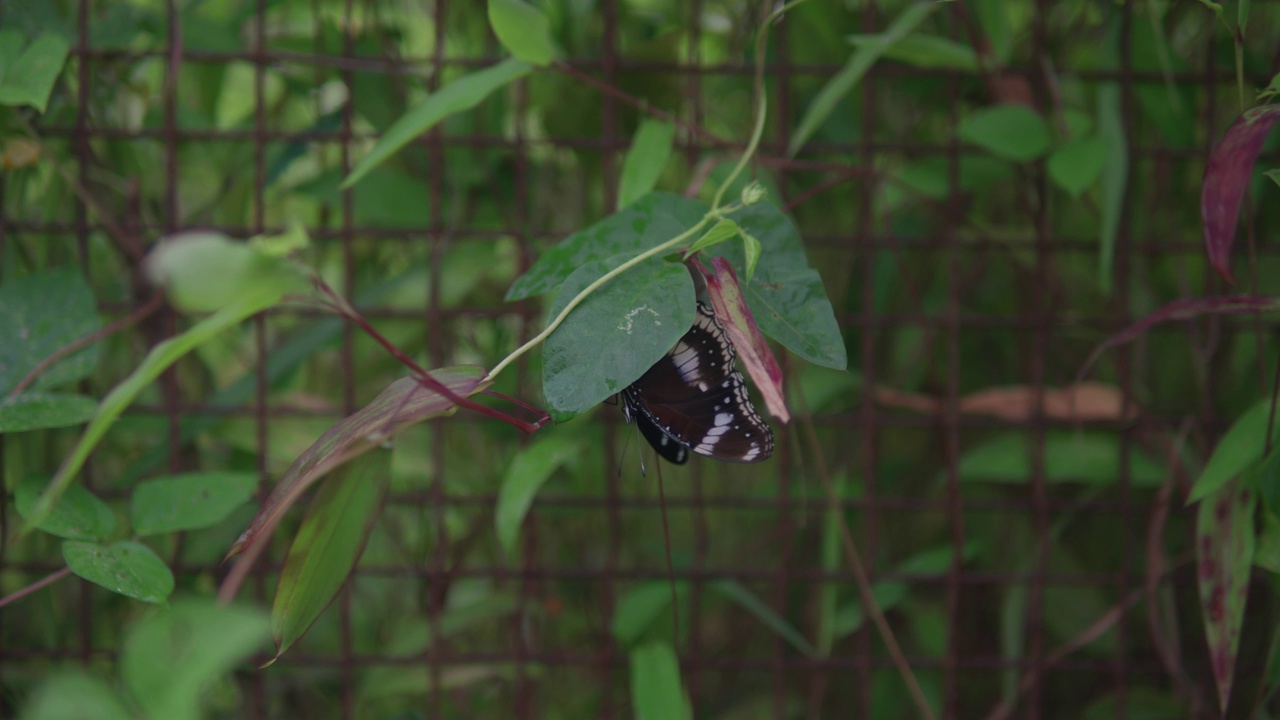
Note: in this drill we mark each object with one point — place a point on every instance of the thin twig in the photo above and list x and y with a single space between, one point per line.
671 570
865 594
35 586
134 317
639 104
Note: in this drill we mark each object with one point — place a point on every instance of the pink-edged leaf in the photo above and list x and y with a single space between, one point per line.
752 347
1184 310
328 545
405 402
1224 558
1226 177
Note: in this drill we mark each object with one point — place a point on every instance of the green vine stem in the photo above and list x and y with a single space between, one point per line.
715 214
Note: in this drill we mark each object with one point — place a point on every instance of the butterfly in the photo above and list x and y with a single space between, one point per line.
694 400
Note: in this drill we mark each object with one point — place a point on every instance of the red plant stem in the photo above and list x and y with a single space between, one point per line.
424 377
134 317
35 586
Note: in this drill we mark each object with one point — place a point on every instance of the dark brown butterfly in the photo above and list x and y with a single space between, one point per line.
694 399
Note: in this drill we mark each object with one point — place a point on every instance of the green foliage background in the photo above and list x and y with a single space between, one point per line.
966 243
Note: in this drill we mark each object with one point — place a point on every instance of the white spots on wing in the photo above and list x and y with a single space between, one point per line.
723 418
629 320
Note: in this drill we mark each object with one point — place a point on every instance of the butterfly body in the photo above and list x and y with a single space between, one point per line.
693 400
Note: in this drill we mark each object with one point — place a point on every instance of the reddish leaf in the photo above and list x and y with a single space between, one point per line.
1226 177
404 402
1224 557
751 345
1184 310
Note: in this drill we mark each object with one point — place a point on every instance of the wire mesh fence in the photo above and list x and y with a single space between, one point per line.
1024 535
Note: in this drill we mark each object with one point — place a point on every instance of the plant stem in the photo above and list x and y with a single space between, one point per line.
761 103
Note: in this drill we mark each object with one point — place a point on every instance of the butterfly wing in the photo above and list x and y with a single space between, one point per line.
696 398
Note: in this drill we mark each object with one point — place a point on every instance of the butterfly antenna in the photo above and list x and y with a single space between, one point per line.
622 459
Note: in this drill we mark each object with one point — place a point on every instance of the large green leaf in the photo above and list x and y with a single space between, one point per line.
649 222
328 545
189 501
128 568
172 657
40 314
616 334
78 514
786 296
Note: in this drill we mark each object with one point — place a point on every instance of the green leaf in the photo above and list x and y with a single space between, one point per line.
170 660
1011 132
646 223
1224 558
1090 458
926 51
1241 446
1078 164
78 514
640 606
849 75
189 501
721 231
39 315
40 411
616 334
128 568
523 30
27 76
656 692
328 544
462 94
1267 551
734 590
205 271
785 295
75 695
524 477
647 156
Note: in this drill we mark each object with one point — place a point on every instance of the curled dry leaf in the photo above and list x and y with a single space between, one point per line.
752 347
1086 401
